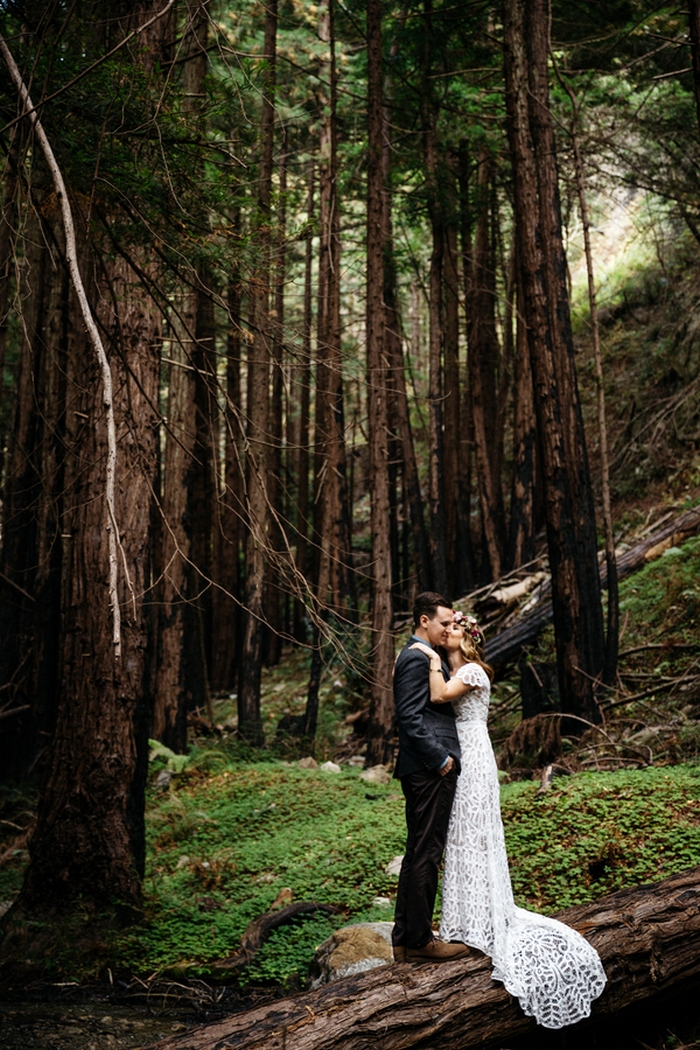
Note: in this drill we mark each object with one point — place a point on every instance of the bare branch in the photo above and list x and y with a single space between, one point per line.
107 396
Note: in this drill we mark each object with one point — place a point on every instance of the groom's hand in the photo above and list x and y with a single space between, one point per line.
449 765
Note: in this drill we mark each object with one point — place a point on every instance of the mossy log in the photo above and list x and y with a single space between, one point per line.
648 939
506 646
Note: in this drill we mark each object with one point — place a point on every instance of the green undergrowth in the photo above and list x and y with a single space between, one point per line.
224 844
662 600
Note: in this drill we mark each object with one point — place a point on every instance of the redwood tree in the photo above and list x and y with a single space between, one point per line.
571 535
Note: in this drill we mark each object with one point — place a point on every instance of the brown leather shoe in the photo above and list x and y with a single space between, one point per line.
436 951
399 953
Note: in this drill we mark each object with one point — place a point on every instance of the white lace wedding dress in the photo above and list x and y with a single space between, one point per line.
550 968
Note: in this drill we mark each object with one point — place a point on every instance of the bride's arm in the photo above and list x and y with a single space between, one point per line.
441 692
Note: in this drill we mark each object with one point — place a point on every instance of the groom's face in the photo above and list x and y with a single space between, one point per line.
438 628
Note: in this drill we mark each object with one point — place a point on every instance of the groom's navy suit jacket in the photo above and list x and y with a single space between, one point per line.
427 732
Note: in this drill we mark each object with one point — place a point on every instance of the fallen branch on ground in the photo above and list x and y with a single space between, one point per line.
507 646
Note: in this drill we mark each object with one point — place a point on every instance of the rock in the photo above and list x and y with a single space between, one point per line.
353 949
183 861
375 775
381 902
394 866
330 767
163 779
307 763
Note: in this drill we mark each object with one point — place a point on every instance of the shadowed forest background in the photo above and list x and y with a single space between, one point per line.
391 297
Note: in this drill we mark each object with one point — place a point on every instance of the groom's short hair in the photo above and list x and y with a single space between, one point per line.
426 604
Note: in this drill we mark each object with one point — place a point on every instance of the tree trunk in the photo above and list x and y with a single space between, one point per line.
484 361
694 27
613 626
418 557
523 518
452 403
381 707
648 939
249 720
303 388
571 534
335 578
30 563
89 840
467 572
438 537
274 594
230 511
181 678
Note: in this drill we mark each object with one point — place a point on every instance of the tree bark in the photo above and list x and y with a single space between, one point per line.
303 388
274 594
523 498
418 557
613 625
381 707
31 548
181 678
335 578
484 361
89 840
578 616
438 537
249 720
230 512
648 939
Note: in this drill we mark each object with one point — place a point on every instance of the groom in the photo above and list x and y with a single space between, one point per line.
428 767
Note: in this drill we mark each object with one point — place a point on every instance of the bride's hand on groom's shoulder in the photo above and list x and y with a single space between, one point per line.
423 649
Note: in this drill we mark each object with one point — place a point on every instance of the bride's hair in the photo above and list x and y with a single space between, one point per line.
472 652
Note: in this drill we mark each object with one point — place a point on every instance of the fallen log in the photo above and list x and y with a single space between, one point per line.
506 647
648 939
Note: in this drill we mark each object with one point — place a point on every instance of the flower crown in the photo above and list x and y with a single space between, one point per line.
468 623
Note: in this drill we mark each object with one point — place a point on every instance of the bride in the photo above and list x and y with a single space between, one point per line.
547 966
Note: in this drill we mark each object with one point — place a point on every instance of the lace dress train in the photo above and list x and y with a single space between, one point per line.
549 967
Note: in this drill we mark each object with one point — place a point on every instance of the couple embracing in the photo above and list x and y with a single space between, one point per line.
450 783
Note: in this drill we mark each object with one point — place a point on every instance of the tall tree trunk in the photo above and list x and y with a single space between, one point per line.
466 566
523 520
613 625
274 594
381 708
230 515
89 841
484 361
452 403
181 679
30 561
568 497
249 720
694 27
418 557
335 578
303 387
438 537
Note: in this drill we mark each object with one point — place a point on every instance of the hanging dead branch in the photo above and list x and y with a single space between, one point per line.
78 285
